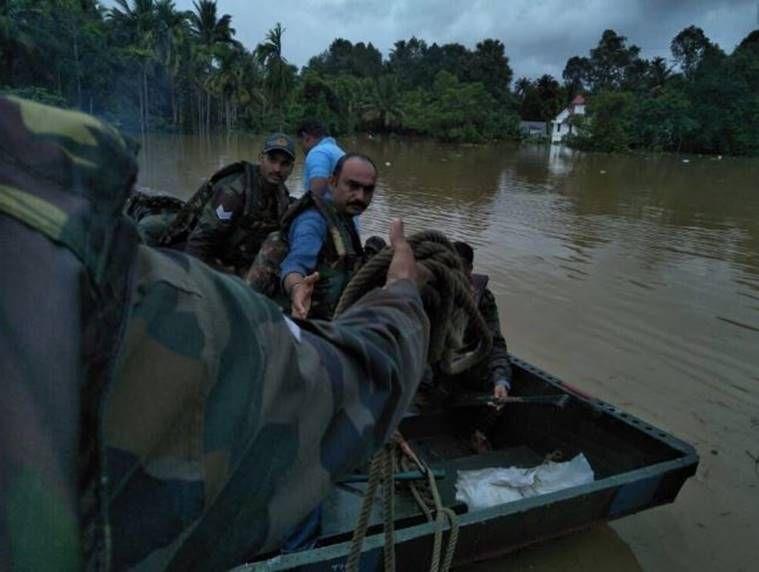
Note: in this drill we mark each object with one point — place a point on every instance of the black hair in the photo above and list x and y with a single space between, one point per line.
348 156
312 127
465 251
373 245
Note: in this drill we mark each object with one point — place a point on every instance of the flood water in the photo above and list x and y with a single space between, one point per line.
635 278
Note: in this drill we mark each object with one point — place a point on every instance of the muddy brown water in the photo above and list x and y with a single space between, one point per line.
635 278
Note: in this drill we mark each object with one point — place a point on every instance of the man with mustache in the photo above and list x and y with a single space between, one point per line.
325 248
238 207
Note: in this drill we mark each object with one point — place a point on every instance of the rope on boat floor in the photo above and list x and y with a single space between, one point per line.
447 290
427 496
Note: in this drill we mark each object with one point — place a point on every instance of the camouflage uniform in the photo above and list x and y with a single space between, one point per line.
238 213
155 412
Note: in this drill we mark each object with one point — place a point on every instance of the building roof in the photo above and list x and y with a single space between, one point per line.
578 100
533 124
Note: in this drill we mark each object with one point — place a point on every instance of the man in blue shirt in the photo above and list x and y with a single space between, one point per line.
322 154
325 248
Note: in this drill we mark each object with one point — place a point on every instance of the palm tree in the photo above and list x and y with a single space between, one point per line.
279 73
522 87
207 28
233 83
138 21
349 95
658 73
173 31
211 33
383 103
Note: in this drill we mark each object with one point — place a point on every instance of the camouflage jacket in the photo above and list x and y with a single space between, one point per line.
497 368
156 413
236 215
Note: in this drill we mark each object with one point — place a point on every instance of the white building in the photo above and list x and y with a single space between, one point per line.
532 128
562 124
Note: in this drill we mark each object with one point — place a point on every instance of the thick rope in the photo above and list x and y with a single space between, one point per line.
357 542
381 471
430 503
388 496
447 290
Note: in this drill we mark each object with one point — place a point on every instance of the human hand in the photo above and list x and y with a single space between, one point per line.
300 296
500 392
403 264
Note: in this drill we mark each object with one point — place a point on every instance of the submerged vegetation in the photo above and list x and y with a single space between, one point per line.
146 66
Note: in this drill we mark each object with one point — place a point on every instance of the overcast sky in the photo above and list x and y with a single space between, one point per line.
539 35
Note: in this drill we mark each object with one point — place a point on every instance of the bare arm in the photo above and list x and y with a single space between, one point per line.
286 409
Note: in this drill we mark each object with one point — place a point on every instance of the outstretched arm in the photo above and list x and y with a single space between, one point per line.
245 418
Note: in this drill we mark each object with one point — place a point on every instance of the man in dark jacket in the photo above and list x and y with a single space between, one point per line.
495 372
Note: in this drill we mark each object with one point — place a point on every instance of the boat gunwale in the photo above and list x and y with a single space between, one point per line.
689 458
601 406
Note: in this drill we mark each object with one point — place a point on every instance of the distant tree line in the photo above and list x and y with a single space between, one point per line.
146 66
706 102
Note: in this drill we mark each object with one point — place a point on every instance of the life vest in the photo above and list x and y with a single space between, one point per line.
252 228
338 260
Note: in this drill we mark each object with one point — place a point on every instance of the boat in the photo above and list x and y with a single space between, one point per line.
636 466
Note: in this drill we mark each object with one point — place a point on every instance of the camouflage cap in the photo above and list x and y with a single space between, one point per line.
279 142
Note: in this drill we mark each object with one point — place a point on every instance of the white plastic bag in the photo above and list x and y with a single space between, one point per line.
490 487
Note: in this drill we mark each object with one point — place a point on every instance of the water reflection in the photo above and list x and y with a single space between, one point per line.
539 198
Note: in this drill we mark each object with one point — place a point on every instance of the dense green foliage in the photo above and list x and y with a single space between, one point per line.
144 65
710 106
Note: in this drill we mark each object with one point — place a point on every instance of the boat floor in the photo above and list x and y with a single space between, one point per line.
342 506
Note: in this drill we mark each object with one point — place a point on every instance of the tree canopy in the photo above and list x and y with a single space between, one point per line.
145 65
705 101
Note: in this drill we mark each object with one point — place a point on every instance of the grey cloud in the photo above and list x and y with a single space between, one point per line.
540 35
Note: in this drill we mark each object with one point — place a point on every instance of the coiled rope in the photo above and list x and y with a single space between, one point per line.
381 470
446 292
427 497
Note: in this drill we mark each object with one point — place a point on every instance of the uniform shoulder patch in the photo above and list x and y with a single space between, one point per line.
222 214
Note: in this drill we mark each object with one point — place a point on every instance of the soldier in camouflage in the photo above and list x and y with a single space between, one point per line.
156 413
237 208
